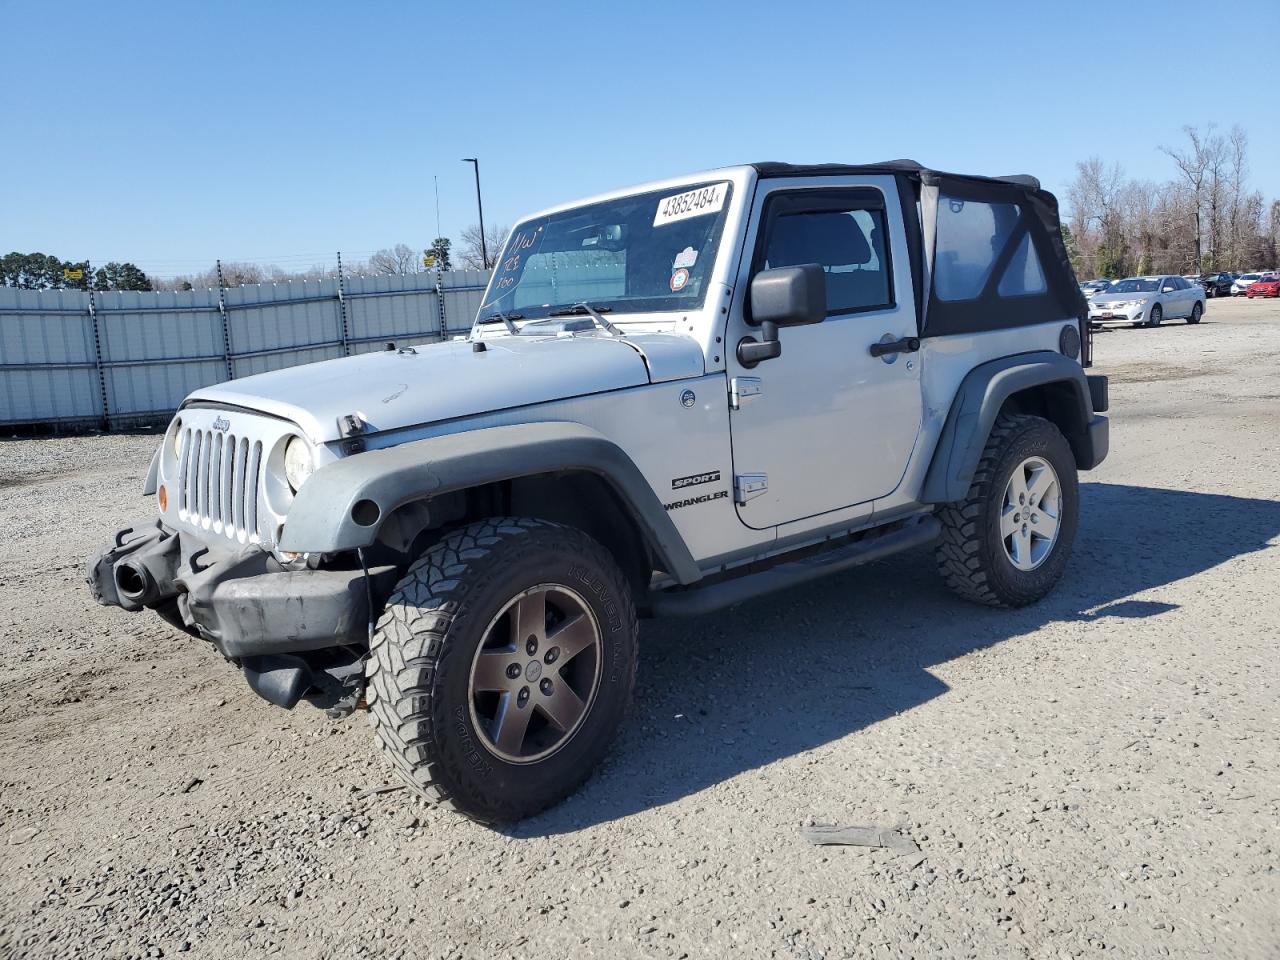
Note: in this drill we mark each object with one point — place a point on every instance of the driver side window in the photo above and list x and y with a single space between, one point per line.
845 234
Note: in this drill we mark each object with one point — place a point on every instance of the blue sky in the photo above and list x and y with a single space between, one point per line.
171 133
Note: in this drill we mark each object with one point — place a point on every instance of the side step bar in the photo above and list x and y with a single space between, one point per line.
699 600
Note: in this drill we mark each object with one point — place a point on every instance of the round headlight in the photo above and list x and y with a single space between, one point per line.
298 463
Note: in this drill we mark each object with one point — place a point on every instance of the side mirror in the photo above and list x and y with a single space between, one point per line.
782 297
789 296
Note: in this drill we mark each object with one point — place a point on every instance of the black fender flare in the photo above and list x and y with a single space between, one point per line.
151 483
322 518
977 403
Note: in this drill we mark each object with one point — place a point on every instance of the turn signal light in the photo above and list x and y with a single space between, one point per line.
163 496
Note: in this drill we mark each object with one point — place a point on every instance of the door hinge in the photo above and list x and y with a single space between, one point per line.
748 486
742 389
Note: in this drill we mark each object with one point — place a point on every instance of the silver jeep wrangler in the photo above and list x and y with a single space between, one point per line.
674 398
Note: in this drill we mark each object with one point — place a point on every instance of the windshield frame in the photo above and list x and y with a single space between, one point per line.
713 253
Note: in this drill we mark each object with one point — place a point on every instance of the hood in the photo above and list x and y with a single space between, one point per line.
443 381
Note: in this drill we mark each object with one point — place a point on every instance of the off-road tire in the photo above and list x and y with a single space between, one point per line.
970 553
419 669
1196 312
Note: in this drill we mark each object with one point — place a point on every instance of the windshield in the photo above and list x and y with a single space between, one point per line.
1250 276
1134 286
649 251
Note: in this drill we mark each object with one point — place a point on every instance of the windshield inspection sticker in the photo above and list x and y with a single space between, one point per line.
679 279
685 258
695 203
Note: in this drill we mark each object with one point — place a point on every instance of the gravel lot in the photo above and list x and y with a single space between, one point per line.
1097 773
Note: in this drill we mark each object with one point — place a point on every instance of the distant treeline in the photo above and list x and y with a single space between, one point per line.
1206 218
40 271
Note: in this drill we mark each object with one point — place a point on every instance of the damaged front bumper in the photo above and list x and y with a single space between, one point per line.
294 633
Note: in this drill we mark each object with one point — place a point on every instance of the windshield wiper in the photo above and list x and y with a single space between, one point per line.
508 320
595 313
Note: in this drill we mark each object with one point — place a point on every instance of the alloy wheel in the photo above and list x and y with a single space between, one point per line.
1031 513
535 674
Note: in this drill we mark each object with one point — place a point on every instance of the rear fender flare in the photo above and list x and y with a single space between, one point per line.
977 403
322 518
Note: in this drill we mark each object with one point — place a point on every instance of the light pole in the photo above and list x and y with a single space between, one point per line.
484 252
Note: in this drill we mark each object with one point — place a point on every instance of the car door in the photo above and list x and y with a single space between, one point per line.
1187 296
826 425
1168 298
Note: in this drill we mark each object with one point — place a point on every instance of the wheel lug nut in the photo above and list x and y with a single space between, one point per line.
552 655
531 646
522 697
545 686
513 671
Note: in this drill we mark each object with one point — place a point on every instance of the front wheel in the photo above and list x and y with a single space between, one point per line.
1008 542
503 666
1196 313
1155 316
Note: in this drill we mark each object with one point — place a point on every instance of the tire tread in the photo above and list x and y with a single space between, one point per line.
411 643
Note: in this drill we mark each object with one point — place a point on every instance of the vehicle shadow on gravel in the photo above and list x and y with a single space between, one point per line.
731 692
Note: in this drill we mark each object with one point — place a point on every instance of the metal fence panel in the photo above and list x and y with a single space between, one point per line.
139 392
302 313
169 325
42 396
463 292
389 308
141 353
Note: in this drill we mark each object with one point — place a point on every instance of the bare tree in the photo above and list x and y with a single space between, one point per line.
1239 150
469 257
399 260
1199 164
1273 229
1097 217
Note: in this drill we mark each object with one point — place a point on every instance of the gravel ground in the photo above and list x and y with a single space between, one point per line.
1097 773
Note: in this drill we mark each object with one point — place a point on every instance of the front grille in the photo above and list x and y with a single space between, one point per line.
218 482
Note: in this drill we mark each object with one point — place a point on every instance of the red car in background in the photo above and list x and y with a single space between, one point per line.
1268 286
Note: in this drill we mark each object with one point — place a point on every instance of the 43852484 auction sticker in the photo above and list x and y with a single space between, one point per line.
694 203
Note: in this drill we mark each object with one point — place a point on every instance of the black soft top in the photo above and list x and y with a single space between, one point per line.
922 189
911 168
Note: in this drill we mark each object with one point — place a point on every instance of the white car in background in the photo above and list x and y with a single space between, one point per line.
1091 288
1242 283
1147 301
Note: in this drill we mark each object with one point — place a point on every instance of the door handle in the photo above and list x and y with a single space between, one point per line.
905 345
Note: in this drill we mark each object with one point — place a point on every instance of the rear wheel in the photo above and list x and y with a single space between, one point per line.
1155 316
1196 312
503 666
1008 542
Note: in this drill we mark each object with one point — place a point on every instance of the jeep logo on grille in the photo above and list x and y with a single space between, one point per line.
222 424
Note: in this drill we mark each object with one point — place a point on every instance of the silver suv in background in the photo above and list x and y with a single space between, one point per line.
1147 302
